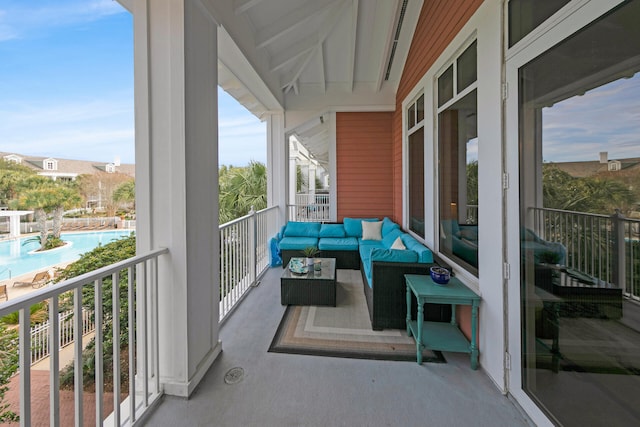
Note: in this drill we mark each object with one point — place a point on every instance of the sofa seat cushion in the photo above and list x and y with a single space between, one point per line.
338 244
425 256
297 243
353 226
302 229
366 246
332 230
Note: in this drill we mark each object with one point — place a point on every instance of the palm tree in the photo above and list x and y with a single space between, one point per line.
240 189
125 193
44 197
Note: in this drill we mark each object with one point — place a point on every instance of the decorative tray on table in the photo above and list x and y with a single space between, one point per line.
297 266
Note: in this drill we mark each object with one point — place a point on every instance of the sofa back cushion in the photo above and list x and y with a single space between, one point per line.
424 254
302 229
353 226
388 226
389 238
332 230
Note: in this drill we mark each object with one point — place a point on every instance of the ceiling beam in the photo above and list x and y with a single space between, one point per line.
292 53
352 47
241 6
323 80
334 16
390 31
290 22
292 81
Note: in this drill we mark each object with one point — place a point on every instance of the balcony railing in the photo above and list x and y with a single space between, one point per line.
142 342
604 247
310 208
41 334
244 255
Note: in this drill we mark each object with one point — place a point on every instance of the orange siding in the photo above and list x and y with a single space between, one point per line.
364 165
439 22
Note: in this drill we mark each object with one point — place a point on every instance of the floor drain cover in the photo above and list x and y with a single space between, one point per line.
234 375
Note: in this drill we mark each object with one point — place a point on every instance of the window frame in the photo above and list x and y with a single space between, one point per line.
437 110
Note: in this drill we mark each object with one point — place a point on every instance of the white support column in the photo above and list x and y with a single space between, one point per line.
293 181
14 226
313 167
277 164
176 175
333 168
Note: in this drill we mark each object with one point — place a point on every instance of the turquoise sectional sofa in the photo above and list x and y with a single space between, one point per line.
382 252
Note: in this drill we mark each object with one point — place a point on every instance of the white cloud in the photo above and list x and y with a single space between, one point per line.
604 119
19 19
92 130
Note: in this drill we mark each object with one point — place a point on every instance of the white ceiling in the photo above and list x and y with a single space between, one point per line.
313 56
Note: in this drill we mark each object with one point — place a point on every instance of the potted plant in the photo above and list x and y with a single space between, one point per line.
310 252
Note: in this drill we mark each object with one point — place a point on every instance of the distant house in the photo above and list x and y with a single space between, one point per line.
65 169
590 168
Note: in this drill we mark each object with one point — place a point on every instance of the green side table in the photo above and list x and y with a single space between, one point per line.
439 335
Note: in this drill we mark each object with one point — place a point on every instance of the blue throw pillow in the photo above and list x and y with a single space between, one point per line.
332 230
391 237
388 226
353 226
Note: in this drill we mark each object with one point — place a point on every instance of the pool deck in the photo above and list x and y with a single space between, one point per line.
17 291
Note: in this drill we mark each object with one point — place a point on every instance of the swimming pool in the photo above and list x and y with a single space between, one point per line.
17 258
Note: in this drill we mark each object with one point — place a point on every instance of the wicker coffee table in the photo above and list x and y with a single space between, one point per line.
312 288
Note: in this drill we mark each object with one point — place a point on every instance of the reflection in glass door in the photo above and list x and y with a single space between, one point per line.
579 145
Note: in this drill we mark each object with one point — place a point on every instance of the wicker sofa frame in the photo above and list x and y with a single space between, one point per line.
387 299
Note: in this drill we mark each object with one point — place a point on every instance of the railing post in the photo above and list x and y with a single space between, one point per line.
619 261
253 244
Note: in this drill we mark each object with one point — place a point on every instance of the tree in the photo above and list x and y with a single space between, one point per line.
9 358
99 188
45 196
99 257
12 176
596 194
240 189
126 192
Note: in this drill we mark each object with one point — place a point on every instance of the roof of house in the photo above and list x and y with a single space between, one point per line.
590 168
70 167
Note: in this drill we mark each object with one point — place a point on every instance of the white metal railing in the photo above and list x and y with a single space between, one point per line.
310 208
303 199
70 224
142 317
40 334
244 254
604 247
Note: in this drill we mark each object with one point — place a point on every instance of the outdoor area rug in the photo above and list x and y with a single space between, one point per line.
344 330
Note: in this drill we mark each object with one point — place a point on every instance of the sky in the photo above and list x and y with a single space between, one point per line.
605 119
66 85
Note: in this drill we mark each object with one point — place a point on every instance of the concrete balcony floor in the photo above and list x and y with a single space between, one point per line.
296 390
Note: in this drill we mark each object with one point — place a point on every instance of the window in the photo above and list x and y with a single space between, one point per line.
458 161
579 250
415 129
50 164
526 15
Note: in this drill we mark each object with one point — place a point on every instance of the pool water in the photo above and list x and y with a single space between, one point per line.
18 257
